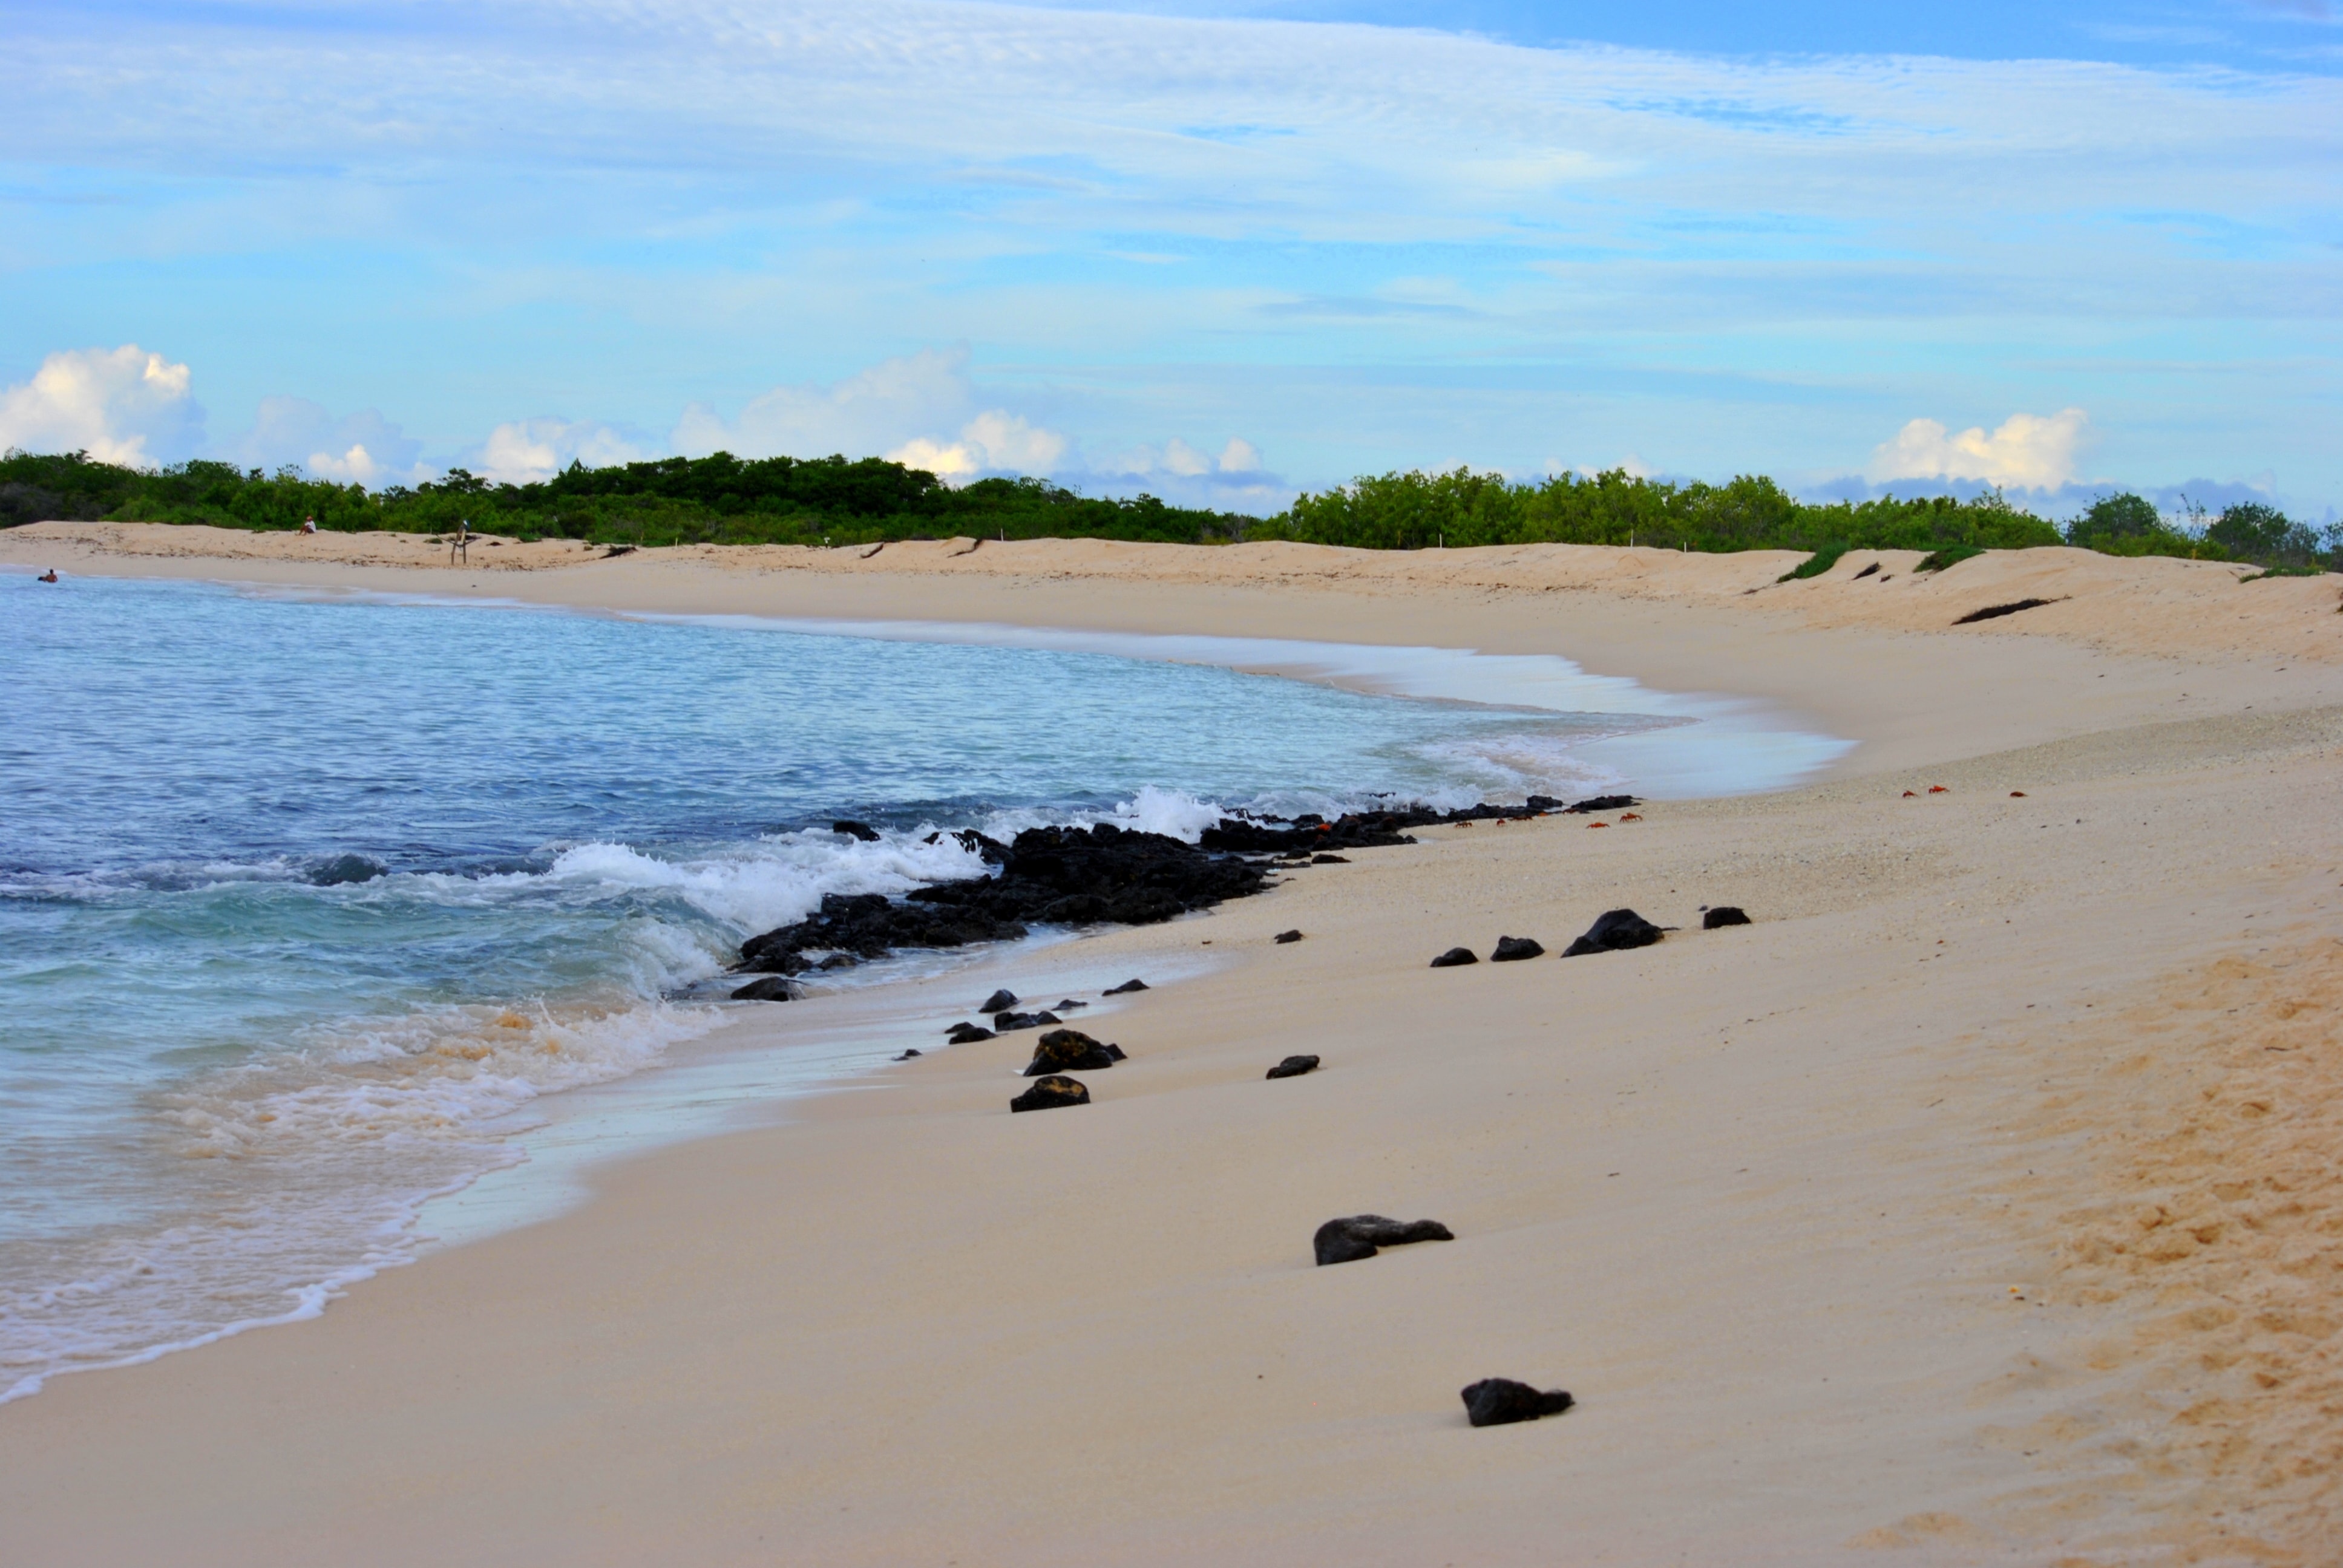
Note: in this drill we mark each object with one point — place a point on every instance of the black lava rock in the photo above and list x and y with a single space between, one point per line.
1603 803
1454 957
909 1053
1068 1051
1005 1022
1500 1402
1066 1004
1347 1241
1512 949
1049 1093
1329 860
1068 876
839 962
1294 1067
1001 1001
869 926
1723 915
1284 937
1125 987
1614 931
772 988
1311 834
862 830
342 870
966 1033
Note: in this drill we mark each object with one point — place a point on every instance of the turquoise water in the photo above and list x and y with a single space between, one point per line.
302 900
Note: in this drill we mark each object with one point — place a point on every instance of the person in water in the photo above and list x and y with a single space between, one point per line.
48 577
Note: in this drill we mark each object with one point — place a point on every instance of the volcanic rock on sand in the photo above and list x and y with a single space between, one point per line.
1347 1241
1049 1093
1069 1051
1614 931
1500 1402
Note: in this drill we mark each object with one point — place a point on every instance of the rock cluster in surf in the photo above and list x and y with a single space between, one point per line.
1101 874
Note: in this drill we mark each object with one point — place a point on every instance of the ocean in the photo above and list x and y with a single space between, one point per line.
308 904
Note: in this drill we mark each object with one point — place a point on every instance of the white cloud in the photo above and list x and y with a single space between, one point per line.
364 448
955 461
119 405
1186 475
994 441
1179 457
525 451
1009 442
893 402
906 409
2028 451
1176 460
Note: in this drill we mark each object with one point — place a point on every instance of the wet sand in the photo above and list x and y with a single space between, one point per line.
1976 1203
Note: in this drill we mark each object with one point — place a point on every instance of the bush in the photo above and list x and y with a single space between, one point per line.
2251 531
2124 517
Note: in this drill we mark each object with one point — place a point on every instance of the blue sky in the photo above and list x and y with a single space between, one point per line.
1211 250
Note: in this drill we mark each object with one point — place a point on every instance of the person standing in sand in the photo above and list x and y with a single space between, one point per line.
461 545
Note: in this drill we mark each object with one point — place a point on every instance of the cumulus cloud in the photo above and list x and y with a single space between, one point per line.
897 401
993 442
918 409
1178 460
362 449
528 451
2027 451
1187 476
119 405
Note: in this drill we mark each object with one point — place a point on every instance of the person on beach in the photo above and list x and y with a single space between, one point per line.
308 525
461 545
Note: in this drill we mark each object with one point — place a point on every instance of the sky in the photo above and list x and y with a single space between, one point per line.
1214 251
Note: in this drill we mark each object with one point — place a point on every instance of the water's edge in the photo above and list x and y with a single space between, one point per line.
722 1070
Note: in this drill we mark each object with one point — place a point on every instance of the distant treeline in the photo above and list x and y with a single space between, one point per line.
719 499
723 499
1413 510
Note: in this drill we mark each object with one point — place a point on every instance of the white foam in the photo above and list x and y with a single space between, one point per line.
325 1155
783 879
1172 812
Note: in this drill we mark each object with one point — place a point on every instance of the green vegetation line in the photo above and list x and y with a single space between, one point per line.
723 499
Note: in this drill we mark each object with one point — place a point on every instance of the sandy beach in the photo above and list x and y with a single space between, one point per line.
1844 1255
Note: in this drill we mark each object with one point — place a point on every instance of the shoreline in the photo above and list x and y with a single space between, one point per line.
1876 659
514 1186
1833 1224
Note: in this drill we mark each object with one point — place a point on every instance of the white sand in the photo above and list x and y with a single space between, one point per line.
1758 1197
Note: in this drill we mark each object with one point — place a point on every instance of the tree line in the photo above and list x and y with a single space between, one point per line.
724 499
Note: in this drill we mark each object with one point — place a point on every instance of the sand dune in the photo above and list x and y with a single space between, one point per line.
1975 1205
